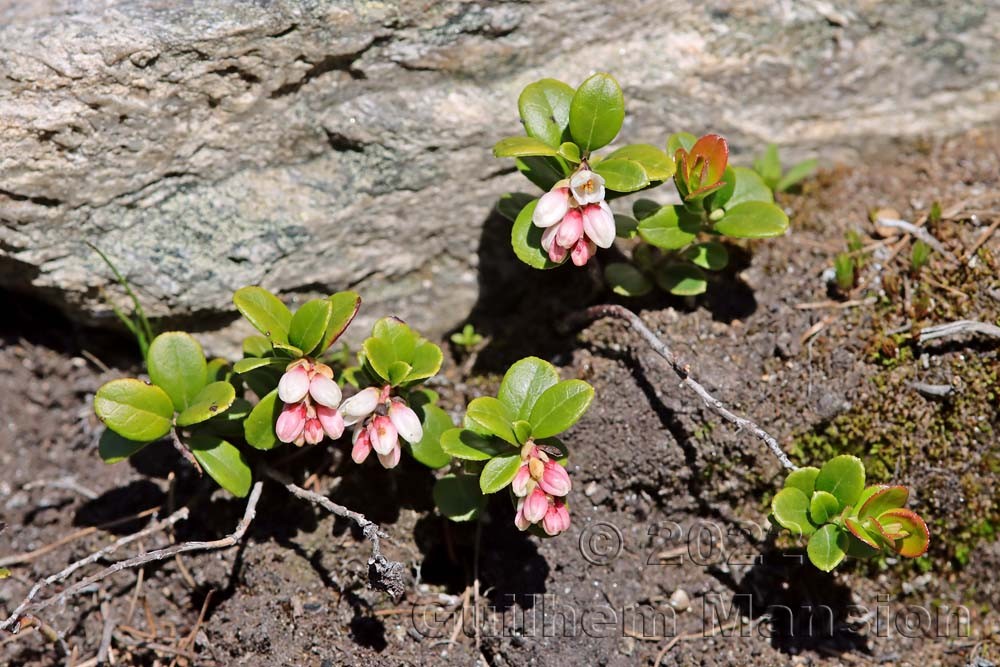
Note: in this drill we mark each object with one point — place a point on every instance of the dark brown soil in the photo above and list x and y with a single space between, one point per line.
665 497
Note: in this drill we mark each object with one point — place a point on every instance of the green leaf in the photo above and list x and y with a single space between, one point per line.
522 431
570 152
213 400
177 365
768 166
458 497
797 173
527 240
888 498
544 172
803 479
669 228
626 227
917 538
217 369
510 204
223 462
343 307
544 108
790 508
711 255
114 448
559 407
596 112
229 424
309 324
844 477
823 507
380 355
524 383
465 444
865 495
499 472
742 185
626 280
658 165
679 140
265 312
398 370
855 529
436 423
643 208
494 417
256 346
825 547
753 220
4 573
681 279
622 175
522 147
134 410
253 363
259 426
287 350
425 361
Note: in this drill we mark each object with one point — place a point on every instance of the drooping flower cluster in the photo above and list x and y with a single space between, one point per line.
381 420
575 217
541 485
311 398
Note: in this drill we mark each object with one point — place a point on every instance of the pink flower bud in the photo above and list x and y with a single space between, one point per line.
519 520
324 391
362 446
536 504
360 405
332 421
599 224
520 484
406 422
313 431
587 187
551 208
291 422
390 460
294 385
383 435
556 252
582 252
555 479
556 518
570 229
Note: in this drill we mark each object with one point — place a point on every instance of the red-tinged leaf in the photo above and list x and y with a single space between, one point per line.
860 532
873 526
713 151
701 192
917 539
887 498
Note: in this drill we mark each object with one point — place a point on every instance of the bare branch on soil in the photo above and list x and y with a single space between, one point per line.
959 327
383 574
682 371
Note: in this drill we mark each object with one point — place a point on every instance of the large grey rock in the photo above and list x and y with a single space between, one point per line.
310 146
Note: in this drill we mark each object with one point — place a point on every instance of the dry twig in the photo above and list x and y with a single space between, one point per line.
682 371
959 327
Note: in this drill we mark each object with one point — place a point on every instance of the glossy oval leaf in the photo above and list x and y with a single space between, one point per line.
658 165
114 448
177 365
844 477
680 140
309 324
887 498
559 407
544 109
544 172
458 497
344 307
626 280
855 529
626 227
753 220
134 410
826 547
253 363
465 444
493 416
211 401
803 479
526 239
742 185
796 173
622 175
823 507
265 312
917 538
790 508
256 346
223 462
435 423
681 279
596 112
510 204
259 426
711 255
668 228
425 361
524 383
522 147
499 472
570 152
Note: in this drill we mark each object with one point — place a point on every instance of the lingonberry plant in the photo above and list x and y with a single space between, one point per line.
676 243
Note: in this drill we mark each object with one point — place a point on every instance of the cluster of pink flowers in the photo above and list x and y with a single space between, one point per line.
381 420
575 217
541 485
311 398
